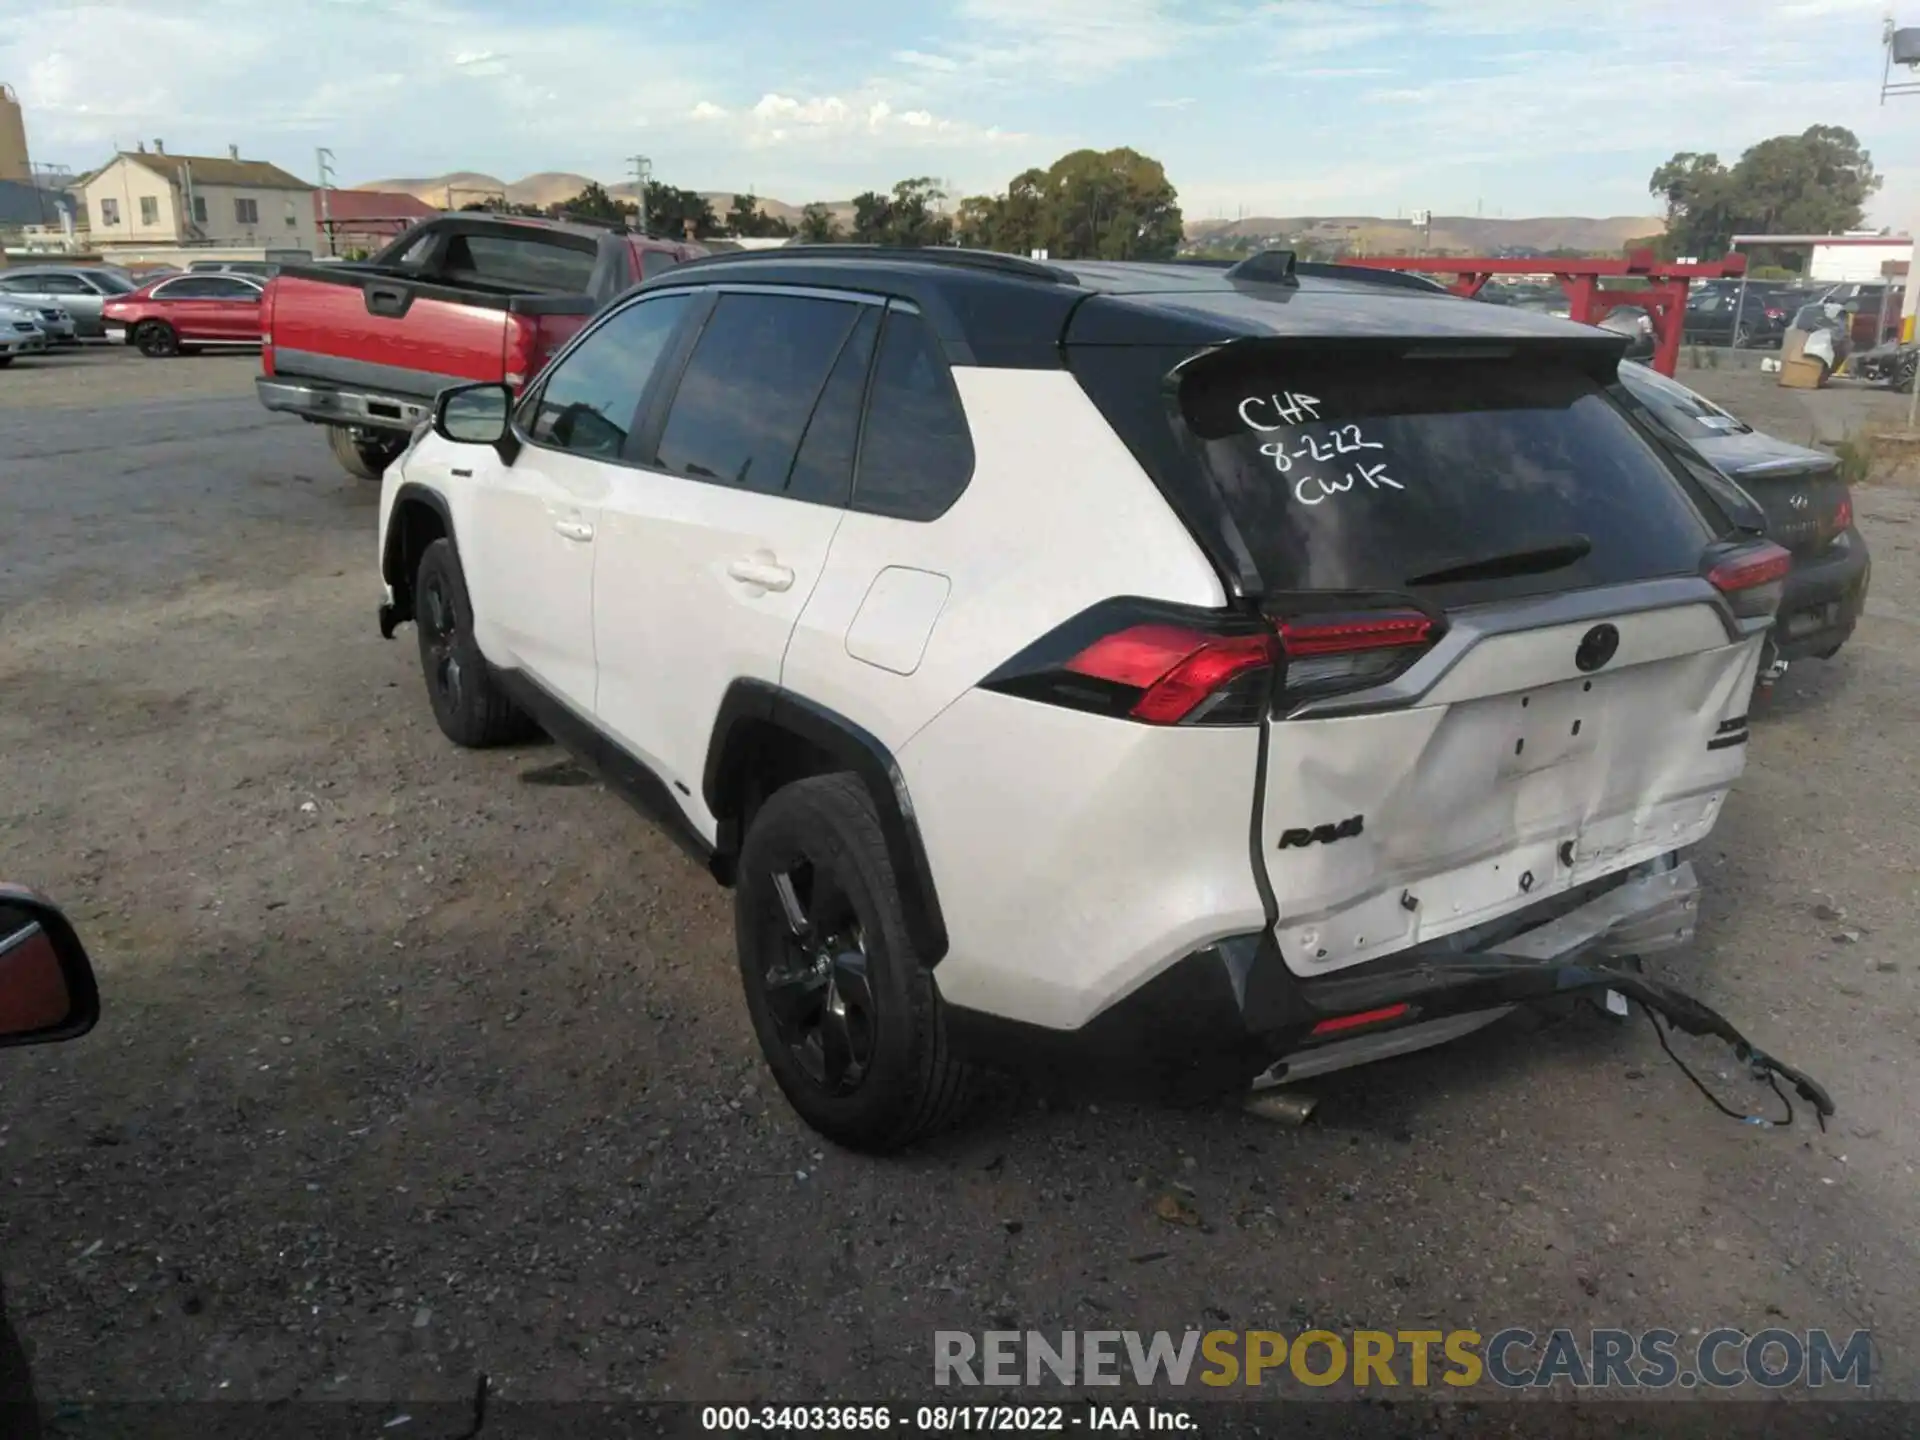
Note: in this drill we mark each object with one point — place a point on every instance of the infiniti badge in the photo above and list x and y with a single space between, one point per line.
1597 647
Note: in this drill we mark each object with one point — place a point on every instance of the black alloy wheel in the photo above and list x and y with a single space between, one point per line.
819 988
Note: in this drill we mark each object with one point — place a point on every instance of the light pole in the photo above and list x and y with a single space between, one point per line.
642 177
1903 49
323 161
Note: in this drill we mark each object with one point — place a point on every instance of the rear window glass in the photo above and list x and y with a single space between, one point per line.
1690 416
1369 474
520 263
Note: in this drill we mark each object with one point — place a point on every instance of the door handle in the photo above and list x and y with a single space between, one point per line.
573 529
767 574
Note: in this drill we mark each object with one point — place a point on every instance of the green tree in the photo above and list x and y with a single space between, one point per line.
872 217
1090 204
1817 182
669 208
745 217
594 203
818 225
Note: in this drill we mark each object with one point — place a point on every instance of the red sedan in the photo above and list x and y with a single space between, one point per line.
181 313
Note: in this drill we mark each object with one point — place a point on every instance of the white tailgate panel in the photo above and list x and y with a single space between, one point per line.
1468 798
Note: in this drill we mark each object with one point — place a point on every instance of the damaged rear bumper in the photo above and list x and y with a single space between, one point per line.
1225 1015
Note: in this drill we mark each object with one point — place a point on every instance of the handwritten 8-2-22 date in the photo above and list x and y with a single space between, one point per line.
1271 414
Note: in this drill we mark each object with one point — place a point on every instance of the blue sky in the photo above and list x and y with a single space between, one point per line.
1271 106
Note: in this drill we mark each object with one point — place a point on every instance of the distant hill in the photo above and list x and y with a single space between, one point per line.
1458 234
551 187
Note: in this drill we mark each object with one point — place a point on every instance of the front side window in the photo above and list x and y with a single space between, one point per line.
589 403
229 287
750 386
190 287
917 454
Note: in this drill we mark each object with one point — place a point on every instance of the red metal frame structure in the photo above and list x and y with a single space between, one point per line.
1663 295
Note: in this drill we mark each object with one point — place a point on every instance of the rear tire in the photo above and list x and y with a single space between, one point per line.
363 457
5 360
846 1013
156 339
468 702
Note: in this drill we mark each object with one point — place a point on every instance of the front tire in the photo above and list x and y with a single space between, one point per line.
846 1013
472 709
361 455
156 339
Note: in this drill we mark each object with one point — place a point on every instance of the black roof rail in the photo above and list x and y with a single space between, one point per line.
1270 267
952 255
1371 275
618 227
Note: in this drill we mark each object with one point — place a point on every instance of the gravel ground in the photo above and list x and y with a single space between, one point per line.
418 1063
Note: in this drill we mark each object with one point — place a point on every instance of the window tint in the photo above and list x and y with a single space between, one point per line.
823 470
228 287
1690 416
25 285
588 403
656 262
916 455
107 284
191 287
1350 473
759 366
521 263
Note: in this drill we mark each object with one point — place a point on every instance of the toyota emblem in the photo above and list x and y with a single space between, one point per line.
1597 647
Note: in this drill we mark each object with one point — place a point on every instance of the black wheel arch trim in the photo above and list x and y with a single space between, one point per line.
396 545
749 703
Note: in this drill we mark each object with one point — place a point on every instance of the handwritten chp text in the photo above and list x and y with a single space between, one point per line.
1318 466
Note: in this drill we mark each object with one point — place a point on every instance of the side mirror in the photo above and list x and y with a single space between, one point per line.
47 991
476 415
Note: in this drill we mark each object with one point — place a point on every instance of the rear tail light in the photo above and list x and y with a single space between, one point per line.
1776 314
522 355
1753 578
1163 665
1335 654
1154 664
1843 514
1184 676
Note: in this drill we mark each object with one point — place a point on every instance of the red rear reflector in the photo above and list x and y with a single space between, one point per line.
1345 634
1365 1017
1176 667
1762 565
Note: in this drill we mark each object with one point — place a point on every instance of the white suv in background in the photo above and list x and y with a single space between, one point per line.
1180 671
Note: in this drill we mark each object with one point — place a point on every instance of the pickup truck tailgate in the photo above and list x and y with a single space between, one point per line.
408 337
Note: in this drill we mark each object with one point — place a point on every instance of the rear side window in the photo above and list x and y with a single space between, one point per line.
520 263
589 402
751 384
1690 416
917 454
1374 473
823 470
656 262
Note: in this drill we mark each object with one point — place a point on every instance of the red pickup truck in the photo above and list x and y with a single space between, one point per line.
363 348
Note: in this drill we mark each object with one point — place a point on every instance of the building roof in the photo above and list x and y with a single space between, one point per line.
217 170
349 207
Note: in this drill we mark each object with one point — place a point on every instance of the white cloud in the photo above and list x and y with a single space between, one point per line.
921 60
707 110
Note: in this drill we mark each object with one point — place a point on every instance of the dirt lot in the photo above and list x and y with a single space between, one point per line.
419 1064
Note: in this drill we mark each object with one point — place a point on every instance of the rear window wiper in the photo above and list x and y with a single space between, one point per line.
1530 560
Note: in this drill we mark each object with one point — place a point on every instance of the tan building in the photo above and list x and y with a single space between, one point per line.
152 198
14 161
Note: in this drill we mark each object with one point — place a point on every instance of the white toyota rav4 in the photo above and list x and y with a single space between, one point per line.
1184 671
